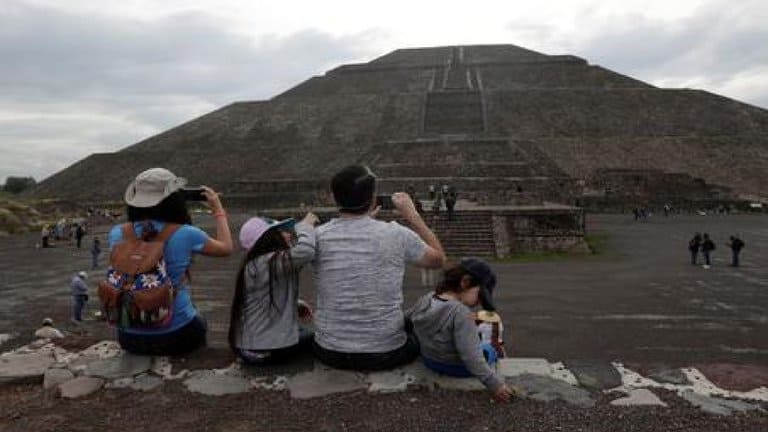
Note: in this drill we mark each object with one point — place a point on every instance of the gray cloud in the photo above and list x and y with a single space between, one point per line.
145 76
717 47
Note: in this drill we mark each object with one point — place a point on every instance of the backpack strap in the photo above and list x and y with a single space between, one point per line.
128 233
169 230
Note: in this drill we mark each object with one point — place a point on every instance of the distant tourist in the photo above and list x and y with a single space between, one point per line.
79 234
359 267
446 329
437 203
165 322
95 252
411 191
45 236
636 213
431 192
264 325
667 209
48 331
79 291
707 246
736 245
450 202
693 247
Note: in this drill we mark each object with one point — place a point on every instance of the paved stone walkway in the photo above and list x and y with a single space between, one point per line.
104 365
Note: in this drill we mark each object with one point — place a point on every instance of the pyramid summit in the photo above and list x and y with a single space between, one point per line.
506 124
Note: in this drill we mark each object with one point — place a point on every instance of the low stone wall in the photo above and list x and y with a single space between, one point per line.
535 230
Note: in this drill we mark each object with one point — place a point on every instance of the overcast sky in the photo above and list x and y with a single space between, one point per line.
85 76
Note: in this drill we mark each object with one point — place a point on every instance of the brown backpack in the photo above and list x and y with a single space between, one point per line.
138 292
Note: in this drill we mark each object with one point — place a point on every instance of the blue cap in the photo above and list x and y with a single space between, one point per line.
482 272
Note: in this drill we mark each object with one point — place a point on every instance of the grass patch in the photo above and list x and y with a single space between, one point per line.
528 257
598 243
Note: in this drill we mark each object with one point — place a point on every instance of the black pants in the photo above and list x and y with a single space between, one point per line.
370 361
280 355
181 341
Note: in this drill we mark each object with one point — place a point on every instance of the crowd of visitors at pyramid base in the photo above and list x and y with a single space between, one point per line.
358 321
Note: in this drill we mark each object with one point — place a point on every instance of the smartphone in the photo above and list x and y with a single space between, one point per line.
385 202
193 194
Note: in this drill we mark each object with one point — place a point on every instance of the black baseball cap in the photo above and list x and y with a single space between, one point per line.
482 272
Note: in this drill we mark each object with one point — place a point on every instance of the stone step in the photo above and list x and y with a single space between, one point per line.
454 112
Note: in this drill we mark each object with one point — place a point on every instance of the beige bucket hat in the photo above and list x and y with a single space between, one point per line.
152 186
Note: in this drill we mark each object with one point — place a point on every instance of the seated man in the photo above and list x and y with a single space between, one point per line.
359 267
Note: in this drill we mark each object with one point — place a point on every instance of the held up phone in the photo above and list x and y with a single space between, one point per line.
385 202
193 194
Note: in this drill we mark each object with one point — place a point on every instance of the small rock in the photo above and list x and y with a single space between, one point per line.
322 382
146 382
669 376
509 367
123 366
717 406
388 382
25 367
216 384
55 377
595 374
639 397
547 389
80 386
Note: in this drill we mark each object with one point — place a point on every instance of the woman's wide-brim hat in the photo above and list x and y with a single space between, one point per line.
256 227
152 186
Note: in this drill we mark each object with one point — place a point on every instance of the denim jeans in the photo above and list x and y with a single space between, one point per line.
459 371
78 304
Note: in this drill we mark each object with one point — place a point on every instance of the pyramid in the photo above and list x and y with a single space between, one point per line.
504 124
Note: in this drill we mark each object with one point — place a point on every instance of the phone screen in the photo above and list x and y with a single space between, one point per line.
385 202
193 194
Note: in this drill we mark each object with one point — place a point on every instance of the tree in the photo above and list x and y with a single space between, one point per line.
17 185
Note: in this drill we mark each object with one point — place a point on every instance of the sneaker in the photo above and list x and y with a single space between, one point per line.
706 266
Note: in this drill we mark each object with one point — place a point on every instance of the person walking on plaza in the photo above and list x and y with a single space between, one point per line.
79 234
431 192
450 202
736 245
693 246
707 246
45 235
95 252
79 291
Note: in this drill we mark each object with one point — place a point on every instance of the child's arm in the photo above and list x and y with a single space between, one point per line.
468 346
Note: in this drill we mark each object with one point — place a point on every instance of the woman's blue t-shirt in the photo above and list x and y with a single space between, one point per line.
178 252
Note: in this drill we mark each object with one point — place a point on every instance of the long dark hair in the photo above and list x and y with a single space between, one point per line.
271 242
172 209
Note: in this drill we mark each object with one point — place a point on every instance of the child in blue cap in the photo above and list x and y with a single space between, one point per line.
446 329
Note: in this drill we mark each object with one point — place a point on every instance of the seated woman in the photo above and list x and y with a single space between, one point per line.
157 209
264 321
446 329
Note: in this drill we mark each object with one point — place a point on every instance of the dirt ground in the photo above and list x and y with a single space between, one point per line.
28 408
639 301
